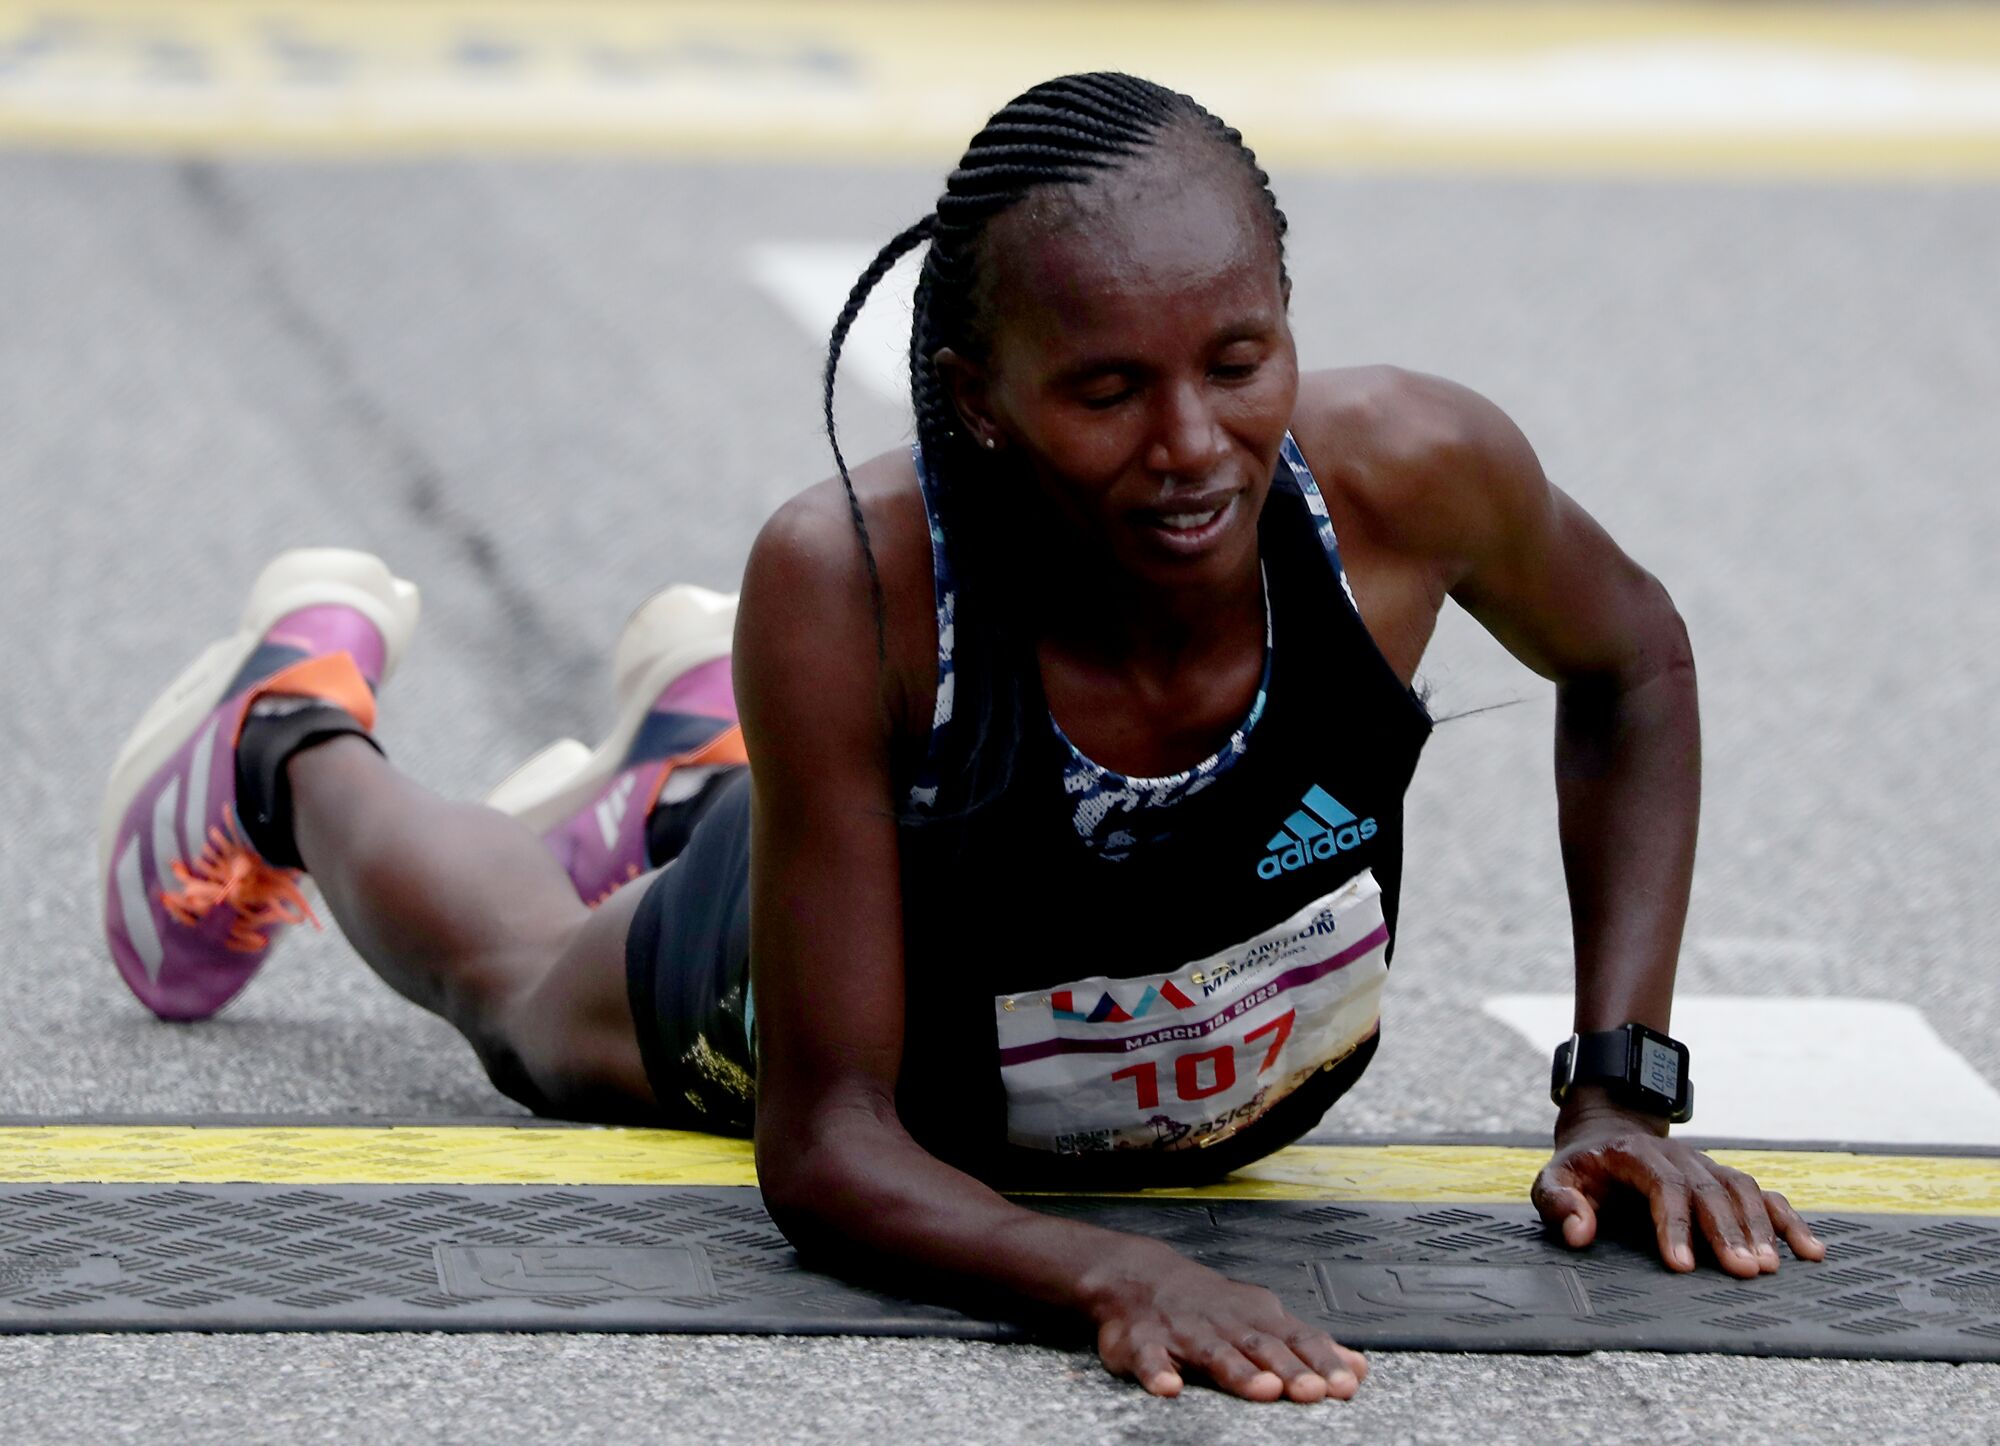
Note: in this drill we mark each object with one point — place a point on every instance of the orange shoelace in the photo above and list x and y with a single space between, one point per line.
632 871
229 872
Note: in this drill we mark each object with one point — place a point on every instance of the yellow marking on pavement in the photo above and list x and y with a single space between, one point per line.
1676 89
1817 1181
381 1155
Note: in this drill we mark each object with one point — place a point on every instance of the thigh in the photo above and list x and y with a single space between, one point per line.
646 1014
573 1032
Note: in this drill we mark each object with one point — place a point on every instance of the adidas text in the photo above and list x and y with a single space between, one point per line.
1319 829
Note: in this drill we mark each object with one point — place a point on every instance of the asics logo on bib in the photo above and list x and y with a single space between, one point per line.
1321 828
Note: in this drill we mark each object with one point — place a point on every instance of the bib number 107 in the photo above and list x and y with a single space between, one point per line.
1204 1072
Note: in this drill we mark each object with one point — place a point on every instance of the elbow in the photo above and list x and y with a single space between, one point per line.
793 1176
1669 651
1655 657
806 1225
815 1178
803 1197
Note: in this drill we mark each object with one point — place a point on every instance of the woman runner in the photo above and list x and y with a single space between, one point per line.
1060 838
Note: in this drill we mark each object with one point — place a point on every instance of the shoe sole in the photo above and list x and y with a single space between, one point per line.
674 630
302 578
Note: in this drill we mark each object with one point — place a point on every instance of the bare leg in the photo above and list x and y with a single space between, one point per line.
461 910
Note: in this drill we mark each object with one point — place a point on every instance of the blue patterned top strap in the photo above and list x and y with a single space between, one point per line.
944 592
1307 486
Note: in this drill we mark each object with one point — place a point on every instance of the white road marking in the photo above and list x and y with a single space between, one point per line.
1667 89
1771 1068
811 280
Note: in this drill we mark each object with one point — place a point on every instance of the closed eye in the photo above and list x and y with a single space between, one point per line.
1105 399
1237 362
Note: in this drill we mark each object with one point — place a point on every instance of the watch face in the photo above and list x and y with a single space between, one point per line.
1659 1069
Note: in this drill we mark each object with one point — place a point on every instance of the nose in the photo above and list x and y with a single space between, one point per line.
1188 441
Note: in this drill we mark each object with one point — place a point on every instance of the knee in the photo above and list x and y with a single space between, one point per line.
543 1057
509 1073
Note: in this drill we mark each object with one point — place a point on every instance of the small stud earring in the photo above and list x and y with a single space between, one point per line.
989 442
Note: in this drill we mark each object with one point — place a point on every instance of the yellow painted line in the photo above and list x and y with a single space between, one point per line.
1817 1181
502 1155
392 1155
1649 89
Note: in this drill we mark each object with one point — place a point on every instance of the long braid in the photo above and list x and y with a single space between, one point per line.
1063 132
885 260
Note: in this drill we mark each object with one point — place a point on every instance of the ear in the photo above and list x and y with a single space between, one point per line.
965 383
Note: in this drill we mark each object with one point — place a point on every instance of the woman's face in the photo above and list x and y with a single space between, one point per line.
1140 362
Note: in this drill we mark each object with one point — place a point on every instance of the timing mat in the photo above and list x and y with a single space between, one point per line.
258 1227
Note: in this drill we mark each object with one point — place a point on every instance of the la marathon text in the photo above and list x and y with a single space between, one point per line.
1263 956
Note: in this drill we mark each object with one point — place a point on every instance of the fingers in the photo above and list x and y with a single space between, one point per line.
1302 1381
1311 1363
1740 1221
1667 1197
1737 1218
1154 1369
1721 1226
1274 1355
1792 1225
1682 1189
1141 1353
1237 1374
1754 1215
1565 1207
1304 1365
1329 1358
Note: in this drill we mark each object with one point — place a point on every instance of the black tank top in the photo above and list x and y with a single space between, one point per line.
1068 869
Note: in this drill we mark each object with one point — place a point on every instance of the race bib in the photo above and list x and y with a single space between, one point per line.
1185 1060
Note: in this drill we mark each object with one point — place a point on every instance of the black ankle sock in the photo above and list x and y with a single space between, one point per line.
277 728
669 826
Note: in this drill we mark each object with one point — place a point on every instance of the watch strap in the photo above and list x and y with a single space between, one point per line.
1602 1054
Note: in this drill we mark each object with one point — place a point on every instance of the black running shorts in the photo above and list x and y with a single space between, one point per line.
687 973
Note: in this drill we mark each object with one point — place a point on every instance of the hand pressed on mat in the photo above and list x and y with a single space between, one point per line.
1603 1151
1160 1315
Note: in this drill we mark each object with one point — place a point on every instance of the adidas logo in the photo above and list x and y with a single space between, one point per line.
611 808
1321 828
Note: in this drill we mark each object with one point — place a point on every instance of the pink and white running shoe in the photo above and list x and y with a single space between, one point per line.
675 728
190 909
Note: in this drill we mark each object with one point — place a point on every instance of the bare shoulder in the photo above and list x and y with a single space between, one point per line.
1426 466
814 530
809 607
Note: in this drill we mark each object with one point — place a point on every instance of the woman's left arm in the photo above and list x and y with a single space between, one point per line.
1547 581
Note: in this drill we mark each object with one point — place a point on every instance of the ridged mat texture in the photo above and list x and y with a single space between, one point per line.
92 1257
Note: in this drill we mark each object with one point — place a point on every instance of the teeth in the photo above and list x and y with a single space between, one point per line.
1189 521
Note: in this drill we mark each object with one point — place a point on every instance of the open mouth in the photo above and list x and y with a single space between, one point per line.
1192 528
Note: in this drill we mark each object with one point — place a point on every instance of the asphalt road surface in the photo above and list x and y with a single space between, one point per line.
543 389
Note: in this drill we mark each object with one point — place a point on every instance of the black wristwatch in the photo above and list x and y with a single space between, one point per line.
1641 1067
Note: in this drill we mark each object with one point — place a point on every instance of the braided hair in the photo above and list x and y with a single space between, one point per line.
1062 132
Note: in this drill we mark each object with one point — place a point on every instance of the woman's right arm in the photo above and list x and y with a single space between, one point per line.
840 1175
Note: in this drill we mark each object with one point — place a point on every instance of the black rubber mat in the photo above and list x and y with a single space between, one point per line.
623 1258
